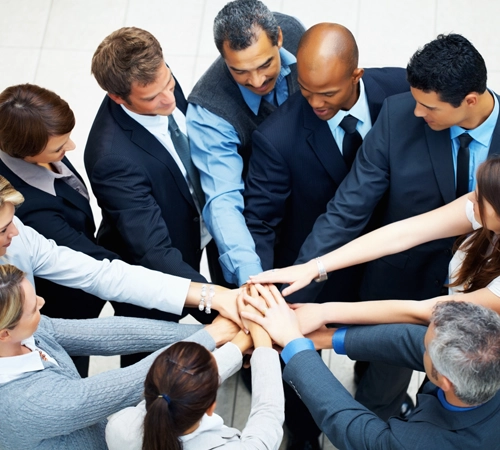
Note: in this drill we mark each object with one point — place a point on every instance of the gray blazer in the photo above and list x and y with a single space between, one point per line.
350 425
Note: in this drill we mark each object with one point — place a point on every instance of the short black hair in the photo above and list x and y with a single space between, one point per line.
450 66
238 22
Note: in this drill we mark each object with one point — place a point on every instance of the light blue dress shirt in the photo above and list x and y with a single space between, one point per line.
214 149
360 110
479 146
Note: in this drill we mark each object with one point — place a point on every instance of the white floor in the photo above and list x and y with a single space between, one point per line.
51 42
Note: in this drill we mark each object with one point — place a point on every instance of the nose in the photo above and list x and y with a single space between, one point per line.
13 231
315 101
41 302
256 80
419 111
70 145
168 96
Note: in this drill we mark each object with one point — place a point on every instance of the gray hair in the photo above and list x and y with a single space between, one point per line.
238 22
466 349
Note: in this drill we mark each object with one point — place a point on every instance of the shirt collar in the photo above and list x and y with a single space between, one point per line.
360 109
449 406
484 132
252 99
35 175
157 124
12 367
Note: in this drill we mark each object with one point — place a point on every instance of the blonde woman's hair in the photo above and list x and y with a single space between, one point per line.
11 296
8 194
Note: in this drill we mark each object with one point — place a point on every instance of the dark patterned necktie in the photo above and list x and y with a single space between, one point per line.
463 164
352 139
181 144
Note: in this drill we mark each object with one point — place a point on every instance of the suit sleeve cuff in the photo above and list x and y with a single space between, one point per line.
338 341
294 347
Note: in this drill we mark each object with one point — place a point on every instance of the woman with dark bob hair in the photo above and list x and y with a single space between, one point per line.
35 134
474 271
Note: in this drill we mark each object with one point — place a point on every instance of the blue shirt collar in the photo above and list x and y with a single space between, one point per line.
360 109
449 406
484 132
253 100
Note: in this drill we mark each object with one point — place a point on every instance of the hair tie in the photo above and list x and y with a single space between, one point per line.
166 398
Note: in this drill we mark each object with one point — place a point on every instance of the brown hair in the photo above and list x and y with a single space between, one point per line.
187 373
126 56
481 264
11 296
29 116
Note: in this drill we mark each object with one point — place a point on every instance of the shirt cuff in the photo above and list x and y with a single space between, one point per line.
338 341
294 347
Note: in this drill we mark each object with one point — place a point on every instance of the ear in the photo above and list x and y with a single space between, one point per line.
471 99
445 384
280 37
211 410
357 74
4 335
117 99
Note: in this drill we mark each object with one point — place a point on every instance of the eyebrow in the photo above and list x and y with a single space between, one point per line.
427 106
246 70
1 228
153 96
319 93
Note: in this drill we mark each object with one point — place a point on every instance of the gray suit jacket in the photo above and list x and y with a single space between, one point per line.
350 425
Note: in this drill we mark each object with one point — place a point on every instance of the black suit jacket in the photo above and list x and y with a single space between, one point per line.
67 219
406 169
348 424
149 216
295 169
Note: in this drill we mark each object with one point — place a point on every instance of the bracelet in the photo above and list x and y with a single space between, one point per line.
323 276
206 303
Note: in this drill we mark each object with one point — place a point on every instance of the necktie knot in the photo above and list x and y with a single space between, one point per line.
465 139
348 124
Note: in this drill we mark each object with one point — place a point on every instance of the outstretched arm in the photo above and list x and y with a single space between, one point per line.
449 220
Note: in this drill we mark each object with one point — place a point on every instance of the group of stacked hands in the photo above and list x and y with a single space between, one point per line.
285 152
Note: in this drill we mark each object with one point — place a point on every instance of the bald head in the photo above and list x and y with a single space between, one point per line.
328 43
327 66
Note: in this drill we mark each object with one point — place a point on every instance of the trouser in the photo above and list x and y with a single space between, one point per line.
382 388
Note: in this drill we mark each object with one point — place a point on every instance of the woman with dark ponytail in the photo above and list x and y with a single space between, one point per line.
180 393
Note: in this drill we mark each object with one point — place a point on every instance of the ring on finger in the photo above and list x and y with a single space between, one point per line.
264 311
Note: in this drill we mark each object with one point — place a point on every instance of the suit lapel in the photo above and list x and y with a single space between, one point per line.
439 146
71 195
495 138
324 146
374 94
148 143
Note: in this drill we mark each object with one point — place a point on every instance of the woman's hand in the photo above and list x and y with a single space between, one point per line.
296 276
276 318
222 330
310 316
224 301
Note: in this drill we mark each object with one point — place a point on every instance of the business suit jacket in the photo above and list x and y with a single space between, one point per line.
349 425
149 216
67 219
403 168
295 169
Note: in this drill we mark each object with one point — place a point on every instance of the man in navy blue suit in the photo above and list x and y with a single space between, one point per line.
138 163
300 157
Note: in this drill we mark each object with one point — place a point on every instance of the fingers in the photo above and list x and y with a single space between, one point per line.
297 286
257 318
295 306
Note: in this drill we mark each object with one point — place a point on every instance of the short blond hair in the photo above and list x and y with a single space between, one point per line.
8 194
11 296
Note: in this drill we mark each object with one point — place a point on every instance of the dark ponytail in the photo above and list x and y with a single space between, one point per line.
180 386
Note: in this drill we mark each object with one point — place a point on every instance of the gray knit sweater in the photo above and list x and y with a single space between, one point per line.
56 409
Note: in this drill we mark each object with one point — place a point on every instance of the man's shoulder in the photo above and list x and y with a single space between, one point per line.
287 116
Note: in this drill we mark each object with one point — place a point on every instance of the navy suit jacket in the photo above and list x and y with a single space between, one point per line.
149 216
349 425
67 219
295 169
403 168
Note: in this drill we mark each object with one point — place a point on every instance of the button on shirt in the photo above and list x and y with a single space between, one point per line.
214 148
41 178
360 110
158 127
13 367
479 146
